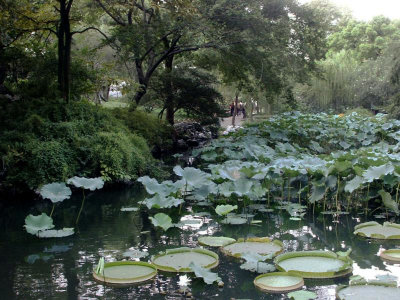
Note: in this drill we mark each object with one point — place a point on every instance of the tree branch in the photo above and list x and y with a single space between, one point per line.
118 21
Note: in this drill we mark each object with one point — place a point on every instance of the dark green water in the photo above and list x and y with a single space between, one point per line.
33 268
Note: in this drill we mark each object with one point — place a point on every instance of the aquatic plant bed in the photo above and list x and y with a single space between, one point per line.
314 264
125 272
179 259
278 282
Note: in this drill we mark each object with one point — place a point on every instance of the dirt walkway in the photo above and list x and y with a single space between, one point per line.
225 122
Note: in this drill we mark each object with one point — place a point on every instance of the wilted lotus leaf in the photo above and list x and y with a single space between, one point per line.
34 224
56 192
208 276
86 183
162 220
56 233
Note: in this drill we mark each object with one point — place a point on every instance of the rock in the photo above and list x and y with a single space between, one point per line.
192 134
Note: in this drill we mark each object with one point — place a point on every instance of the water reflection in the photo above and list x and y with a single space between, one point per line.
61 269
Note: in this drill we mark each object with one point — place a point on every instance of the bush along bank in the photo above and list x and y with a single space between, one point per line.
44 140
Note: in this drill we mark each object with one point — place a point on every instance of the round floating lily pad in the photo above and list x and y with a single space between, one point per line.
215 241
261 246
367 292
279 282
179 259
126 272
377 231
391 255
314 264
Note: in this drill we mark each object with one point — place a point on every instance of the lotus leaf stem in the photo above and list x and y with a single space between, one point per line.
397 193
337 193
83 202
52 210
300 194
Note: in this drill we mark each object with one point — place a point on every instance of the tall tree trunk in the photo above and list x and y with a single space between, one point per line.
169 101
64 36
235 109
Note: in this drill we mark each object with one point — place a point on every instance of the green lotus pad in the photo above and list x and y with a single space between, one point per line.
314 264
261 246
368 292
278 282
179 259
392 255
126 272
377 231
215 241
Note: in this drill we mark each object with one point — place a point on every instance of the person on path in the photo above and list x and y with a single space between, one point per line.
232 108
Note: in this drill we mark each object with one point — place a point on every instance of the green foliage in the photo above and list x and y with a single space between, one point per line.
156 132
45 140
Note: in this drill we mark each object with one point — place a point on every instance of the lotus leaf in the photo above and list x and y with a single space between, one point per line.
278 282
314 264
260 246
215 241
223 210
373 173
388 201
391 255
302 295
125 272
377 231
34 224
354 184
56 233
208 276
86 183
192 176
367 292
162 220
161 201
129 208
232 220
179 259
135 254
242 186
56 192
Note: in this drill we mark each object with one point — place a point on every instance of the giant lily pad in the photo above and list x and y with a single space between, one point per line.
56 192
375 230
34 224
278 282
367 292
261 246
234 220
179 259
125 272
314 264
391 255
86 183
215 241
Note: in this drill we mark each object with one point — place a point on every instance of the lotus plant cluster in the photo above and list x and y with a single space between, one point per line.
42 225
333 163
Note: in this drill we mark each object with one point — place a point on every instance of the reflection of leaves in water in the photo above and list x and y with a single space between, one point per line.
31 259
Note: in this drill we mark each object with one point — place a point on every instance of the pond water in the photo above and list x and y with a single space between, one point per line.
33 268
